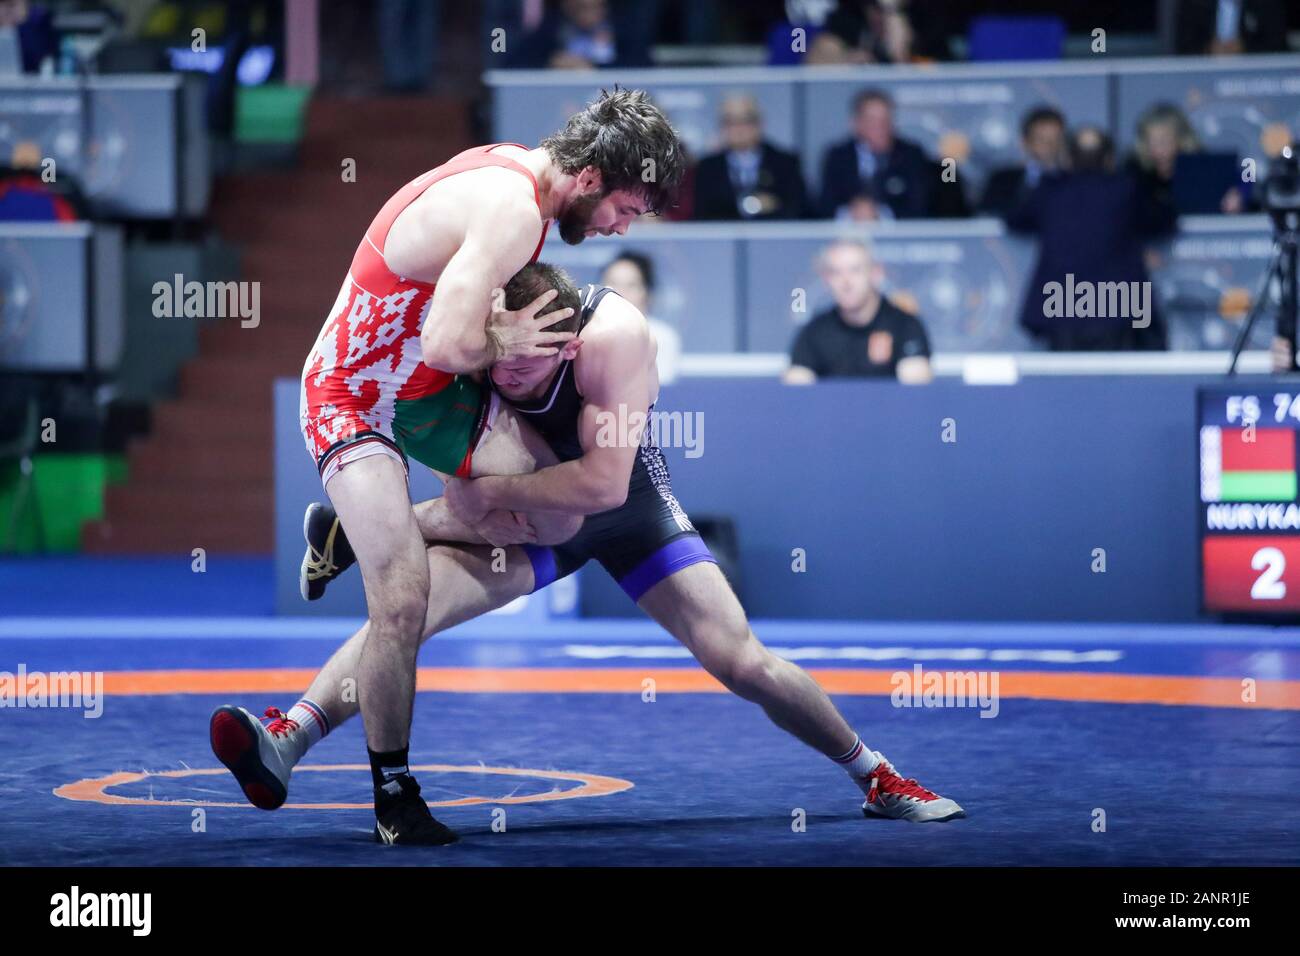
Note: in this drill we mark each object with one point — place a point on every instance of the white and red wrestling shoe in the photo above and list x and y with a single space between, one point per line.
260 755
904 799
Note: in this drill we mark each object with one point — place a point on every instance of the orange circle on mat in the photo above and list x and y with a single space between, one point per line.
95 789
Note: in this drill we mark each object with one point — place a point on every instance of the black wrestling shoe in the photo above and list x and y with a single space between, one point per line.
328 553
403 818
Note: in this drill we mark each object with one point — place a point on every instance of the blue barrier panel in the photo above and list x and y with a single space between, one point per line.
531 104
1234 104
964 279
897 524
752 285
1206 278
61 296
894 522
136 145
970 112
695 273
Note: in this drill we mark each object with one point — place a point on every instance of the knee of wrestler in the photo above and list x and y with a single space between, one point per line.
743 666
553 529
400 618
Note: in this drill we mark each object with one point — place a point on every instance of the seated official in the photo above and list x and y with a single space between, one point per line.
749 178
875 166
863 335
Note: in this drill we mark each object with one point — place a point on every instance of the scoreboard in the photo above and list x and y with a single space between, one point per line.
1250 515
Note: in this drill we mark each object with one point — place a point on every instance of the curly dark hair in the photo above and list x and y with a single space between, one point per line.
629 140
539 277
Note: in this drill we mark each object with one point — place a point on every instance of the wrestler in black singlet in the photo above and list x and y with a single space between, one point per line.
641 542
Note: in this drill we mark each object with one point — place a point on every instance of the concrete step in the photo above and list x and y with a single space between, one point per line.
191 465
237 535
163 502
220 422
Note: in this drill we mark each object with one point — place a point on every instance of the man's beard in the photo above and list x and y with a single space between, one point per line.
575 220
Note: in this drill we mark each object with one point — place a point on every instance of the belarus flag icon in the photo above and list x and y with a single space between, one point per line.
1248 464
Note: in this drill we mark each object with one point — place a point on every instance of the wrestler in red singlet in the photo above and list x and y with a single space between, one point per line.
365 386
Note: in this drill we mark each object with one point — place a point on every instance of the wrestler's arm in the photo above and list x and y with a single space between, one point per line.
500 235
615 381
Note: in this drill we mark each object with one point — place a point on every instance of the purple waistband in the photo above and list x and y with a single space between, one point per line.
671 558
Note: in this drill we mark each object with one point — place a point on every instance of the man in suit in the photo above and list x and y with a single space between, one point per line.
875 174
749 178
1091 224
1042 137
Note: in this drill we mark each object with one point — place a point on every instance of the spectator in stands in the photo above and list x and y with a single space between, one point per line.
1042 138
582 35
1091 223
408 43
27 38
749 178
240 35
632 275
864 31
880 31
863 335
947 194
28 196
1163 134
1225 27
875 174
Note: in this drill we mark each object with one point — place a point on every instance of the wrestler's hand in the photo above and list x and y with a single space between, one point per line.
519 335
501 528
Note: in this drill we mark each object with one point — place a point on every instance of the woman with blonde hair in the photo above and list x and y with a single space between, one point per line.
1163 133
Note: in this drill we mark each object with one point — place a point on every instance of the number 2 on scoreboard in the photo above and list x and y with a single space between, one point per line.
1251 573
1269 586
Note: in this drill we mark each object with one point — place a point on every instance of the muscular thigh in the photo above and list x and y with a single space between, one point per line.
511 447
469 580
697 606
371 498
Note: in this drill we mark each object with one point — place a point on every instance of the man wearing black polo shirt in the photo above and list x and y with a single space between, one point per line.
863 335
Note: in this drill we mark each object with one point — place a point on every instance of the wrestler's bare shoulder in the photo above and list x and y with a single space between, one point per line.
616 323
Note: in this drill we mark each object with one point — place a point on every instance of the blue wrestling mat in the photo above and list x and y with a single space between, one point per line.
1106 745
